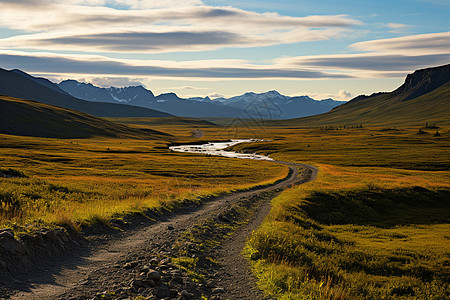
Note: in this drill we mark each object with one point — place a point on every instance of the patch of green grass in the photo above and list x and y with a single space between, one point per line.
189 265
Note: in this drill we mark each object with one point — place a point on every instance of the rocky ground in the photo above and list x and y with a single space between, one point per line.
193 253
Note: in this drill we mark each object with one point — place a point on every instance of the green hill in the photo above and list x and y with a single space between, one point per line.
31 118
424 97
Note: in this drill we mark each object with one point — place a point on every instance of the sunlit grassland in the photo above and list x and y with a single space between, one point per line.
374 225
378 147
73 182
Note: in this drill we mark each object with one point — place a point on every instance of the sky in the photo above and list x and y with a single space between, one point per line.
338 49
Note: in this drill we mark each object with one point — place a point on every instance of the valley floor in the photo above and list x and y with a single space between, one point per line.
111 269
373 225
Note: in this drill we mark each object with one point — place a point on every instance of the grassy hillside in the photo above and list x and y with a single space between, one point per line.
24 86
30 118
423 98
386 110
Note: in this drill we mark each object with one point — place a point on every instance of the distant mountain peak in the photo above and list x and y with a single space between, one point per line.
272 92
169 94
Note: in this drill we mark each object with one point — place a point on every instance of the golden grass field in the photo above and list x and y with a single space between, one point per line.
74 182
374 225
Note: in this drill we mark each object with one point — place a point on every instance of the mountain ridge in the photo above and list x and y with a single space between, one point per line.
268 105
423 97
142 97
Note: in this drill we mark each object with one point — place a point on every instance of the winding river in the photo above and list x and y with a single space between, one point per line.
217 149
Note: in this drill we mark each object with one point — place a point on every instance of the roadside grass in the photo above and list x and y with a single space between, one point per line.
374 225
78 182
374 240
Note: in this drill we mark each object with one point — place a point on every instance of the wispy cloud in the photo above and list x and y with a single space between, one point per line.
397 25
132 41
121 27
368 61
98 65
188 88
432 43
188 27
342 95
115 81
382 58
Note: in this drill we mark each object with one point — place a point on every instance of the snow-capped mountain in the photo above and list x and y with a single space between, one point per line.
269 105
139 96
128 95
273 105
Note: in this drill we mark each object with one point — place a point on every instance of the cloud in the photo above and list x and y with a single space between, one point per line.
386 58
115 81
396 25
369 61
189 27
140 26
157 42
73 16
133 41
146 4
98 65
216 95
344 95
432 43
188 88
29 4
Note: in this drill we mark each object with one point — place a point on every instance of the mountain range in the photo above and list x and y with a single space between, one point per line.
139 96
273 105
269 105
16 83
136 101
423 98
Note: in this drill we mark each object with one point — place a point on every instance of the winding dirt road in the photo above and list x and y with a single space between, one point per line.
88 273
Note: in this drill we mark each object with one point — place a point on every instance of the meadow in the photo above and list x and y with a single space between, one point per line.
374 225
77 182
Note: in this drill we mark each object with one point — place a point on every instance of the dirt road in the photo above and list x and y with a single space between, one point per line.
119 266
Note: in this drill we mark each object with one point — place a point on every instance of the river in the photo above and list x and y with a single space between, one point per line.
217 149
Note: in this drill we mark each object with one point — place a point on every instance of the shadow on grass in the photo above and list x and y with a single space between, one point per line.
380 207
